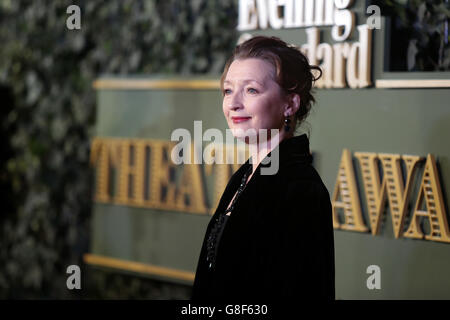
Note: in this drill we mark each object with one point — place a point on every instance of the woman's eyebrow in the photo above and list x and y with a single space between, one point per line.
245 81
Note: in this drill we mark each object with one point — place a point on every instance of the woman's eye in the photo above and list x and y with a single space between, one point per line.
226 91
252 90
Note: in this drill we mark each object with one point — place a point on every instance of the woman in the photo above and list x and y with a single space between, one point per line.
271 236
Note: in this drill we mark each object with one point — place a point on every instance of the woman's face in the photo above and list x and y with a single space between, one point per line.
252 99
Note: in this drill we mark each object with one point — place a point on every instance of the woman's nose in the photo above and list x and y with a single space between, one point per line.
235 101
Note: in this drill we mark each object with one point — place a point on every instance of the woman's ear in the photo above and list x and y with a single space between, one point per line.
293 103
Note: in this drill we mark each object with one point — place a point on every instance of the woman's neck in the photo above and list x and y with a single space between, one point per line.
260 150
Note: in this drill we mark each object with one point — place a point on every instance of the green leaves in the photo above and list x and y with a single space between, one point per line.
50 120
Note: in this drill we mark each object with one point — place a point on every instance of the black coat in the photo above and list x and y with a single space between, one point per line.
278 242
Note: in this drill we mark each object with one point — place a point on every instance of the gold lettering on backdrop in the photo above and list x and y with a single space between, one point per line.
430 195
131 178
392 186
140 173
105 158
429 204
346 189
161 185
192 188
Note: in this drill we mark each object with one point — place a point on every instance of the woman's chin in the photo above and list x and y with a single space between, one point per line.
247 135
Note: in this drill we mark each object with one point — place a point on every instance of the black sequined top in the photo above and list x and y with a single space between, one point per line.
219 225
214 238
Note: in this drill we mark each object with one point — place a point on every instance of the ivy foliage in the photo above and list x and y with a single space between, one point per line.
46 76
419 39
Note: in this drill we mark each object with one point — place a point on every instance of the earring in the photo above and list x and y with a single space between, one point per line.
286 124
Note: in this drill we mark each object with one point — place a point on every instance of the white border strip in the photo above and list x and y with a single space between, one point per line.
140 84
405 83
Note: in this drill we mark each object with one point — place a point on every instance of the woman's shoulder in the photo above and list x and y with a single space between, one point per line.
301 184
300 174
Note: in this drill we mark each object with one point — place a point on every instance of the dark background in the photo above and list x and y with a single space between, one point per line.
48 116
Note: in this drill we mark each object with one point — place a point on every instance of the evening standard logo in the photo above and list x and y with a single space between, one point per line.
343 63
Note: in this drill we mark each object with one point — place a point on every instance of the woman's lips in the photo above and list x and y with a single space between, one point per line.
240 119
